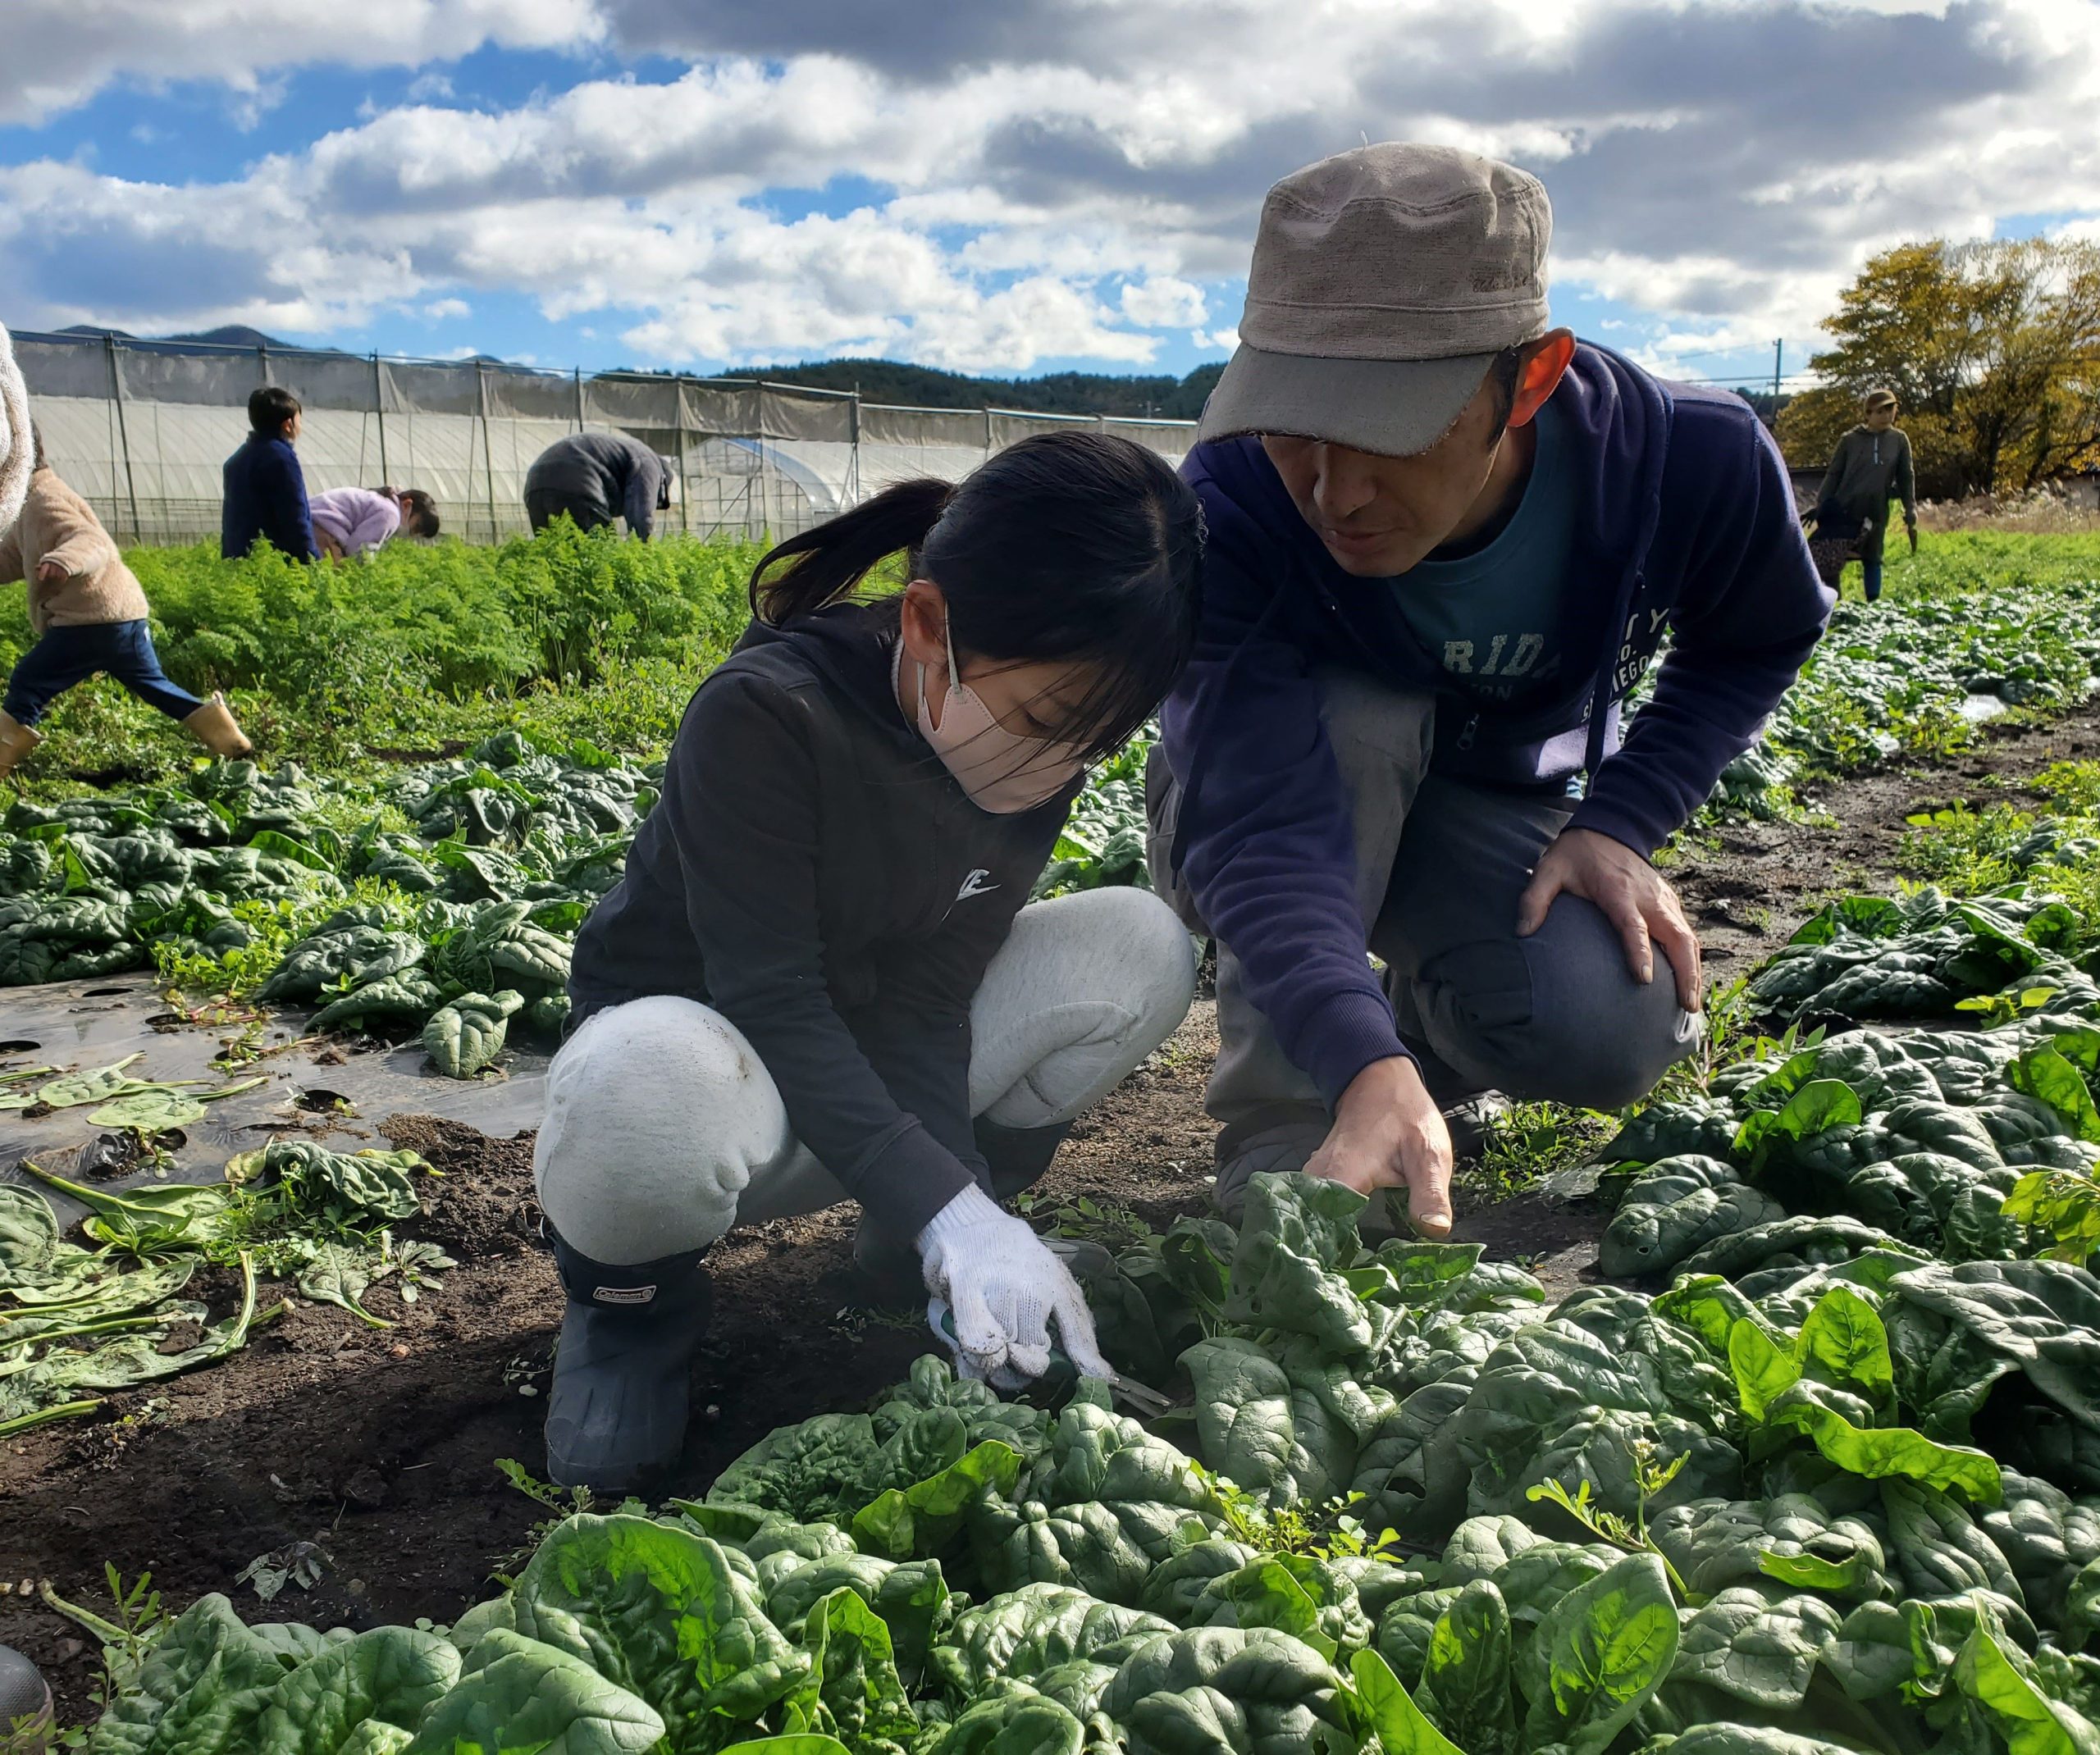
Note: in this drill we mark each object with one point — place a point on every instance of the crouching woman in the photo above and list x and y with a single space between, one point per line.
818 980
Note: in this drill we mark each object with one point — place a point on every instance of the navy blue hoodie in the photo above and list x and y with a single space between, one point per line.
265 492
1687 525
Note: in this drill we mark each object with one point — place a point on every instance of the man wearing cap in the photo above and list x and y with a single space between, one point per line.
1445 541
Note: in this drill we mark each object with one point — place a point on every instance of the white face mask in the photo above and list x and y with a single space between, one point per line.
1001 770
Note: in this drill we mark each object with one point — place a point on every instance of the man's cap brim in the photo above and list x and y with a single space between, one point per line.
1394 408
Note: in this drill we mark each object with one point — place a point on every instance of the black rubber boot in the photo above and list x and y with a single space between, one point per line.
1472 1121
616 1412
1017 1157
25 1702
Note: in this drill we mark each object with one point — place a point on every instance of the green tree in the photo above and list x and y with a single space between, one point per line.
1993 348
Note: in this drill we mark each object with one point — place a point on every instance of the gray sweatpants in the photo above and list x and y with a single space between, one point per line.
1440 866
663 1128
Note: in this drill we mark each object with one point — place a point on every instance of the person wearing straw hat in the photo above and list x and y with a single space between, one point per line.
1446 541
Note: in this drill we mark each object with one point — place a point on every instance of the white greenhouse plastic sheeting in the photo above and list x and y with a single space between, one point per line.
143 428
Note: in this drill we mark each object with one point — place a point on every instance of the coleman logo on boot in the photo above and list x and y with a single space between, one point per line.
623 1294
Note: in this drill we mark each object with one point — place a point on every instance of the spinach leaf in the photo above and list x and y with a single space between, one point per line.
662 1614
519 1695
1601 1651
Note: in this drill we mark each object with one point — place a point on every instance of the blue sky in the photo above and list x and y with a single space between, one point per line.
1018 187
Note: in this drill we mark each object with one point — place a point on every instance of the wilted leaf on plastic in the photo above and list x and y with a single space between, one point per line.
97 1086
153 1109
28 1231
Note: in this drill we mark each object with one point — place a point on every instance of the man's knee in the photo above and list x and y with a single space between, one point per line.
657 1113
1558 1017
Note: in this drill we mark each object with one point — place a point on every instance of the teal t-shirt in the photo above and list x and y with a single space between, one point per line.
1493 619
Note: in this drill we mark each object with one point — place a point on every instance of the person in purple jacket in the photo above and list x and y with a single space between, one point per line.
348 520
1446 541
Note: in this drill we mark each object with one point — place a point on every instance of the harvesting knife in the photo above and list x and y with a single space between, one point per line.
1147 1403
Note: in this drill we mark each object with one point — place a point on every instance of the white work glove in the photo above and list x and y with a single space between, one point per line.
1004 1286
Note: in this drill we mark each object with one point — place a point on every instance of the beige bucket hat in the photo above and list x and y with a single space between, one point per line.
1385 281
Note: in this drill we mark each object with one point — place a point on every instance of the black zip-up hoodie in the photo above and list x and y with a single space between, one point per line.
815 874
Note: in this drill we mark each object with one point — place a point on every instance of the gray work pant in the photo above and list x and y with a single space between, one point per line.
663 1128
1440 866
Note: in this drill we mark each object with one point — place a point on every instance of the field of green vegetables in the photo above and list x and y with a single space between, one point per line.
440 898
1818 1473
418 646
1826 1477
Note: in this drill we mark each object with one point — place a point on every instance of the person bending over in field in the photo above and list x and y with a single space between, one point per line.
347 521
595 478
818 981
89 616
1446 540
264 488
1870 467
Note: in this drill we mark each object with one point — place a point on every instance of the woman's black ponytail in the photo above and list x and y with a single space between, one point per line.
829 560
1076 545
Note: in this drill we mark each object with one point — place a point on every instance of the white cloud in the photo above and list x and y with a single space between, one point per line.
442 310
61 53
1164 301
1048 180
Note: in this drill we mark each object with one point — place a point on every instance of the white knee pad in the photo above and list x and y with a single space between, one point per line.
1115 973
1148 942
658 1112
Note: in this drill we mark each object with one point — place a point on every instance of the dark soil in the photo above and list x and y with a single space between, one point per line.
379 1445
1745 898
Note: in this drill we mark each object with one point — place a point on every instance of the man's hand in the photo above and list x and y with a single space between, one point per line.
1643 908
1389 1134
328 545
1911 531
51 572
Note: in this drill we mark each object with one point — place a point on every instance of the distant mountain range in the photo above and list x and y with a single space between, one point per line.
886 381
227 335
1055 393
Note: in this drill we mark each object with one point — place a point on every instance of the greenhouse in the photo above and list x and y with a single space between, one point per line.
141 428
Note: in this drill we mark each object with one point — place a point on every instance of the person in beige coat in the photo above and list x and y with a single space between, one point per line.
89 616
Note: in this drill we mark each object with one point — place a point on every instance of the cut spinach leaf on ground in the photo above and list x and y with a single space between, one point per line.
78 1323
